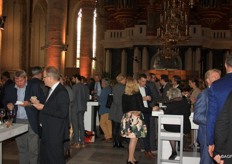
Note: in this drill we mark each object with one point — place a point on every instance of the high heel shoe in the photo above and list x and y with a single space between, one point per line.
136 162
129 162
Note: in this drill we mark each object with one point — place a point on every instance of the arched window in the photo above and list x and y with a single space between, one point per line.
78 38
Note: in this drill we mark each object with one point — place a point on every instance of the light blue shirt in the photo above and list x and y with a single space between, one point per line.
21 113
98 88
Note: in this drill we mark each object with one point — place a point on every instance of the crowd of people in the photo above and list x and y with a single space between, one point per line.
51 104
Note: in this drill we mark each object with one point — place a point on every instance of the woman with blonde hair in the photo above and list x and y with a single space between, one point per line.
132 124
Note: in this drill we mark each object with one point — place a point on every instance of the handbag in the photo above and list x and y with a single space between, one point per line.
109 100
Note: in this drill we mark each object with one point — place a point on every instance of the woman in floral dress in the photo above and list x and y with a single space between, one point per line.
132 124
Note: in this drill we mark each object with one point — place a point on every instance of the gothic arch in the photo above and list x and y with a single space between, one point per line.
38 34
157 62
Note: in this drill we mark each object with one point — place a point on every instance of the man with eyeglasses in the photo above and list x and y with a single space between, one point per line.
53 118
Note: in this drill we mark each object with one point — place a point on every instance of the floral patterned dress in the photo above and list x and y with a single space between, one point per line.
132 125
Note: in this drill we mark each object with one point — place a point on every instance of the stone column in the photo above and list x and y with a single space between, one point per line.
101 26
145 64
108 59
136 61
197 61
56 33
86 46
210 60
188 59
124 62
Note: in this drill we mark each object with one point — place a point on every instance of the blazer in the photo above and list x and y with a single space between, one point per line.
54 116
218 93
200 113
32 89
102 100
154 93
201 108
81 97
164 97
133 103
223 132
179 107
116 107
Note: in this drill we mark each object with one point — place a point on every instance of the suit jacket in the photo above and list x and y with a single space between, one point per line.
81 97
116 107
148 93
223 132
218 93
154 93
201 108
32 89
133 102
164 97
54 116
200 113
103 99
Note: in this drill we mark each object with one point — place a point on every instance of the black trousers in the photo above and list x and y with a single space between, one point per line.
116 131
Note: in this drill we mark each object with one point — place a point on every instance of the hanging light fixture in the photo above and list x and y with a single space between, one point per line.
174 27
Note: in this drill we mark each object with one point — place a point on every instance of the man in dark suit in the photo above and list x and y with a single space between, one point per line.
218 93
155 97
146 94
53 118
6 80
223 134
165 86
23 90
37 74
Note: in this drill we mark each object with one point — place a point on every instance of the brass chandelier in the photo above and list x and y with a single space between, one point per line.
174 27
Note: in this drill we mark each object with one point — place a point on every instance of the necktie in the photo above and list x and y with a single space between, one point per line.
49 94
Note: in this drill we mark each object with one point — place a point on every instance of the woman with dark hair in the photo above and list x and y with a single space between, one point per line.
194 83
177 105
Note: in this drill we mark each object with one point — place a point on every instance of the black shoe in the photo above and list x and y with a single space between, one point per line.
115 144
120 145
129 162
173 155
136 162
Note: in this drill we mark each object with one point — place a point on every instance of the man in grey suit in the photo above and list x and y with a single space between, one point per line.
80 99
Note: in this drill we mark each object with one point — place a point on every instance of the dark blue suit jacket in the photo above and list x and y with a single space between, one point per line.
200 114
223 132
32 112
218 93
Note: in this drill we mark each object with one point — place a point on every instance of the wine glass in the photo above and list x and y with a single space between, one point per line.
2 115
11 115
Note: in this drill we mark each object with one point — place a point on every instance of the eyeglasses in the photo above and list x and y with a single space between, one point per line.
45 77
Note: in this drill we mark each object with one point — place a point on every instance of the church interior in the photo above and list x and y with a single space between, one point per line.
108 37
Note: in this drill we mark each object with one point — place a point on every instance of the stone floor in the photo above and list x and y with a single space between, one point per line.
94 153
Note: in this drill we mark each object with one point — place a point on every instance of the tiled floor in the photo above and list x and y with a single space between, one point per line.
94 153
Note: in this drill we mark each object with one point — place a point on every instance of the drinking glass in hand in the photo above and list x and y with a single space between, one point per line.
2 115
